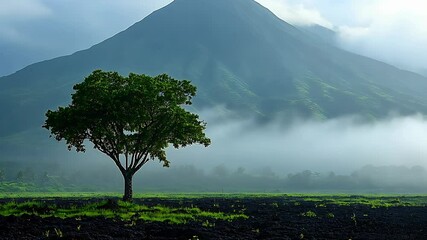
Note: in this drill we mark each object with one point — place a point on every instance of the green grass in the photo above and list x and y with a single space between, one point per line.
121 210
340 199
92 205
373 200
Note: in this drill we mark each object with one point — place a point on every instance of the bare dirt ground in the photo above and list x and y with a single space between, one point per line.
269 218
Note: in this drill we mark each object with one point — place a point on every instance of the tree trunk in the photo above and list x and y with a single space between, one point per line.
128 187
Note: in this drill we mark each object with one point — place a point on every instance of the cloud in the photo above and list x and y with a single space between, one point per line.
79 24
18 12
35 30
393 31
295 12
341 145
23 10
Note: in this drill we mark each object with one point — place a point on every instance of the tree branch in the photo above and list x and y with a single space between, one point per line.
126 157
144 161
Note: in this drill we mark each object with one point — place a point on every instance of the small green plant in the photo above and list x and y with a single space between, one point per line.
58 232
309 214
330 215
46 233
353 218
208 224
131 224
275 205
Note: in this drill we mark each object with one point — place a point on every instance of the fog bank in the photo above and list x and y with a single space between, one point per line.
341 145
338 155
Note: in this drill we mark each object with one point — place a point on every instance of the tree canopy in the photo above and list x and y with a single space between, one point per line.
131 119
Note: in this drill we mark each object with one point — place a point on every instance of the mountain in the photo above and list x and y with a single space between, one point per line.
238 54
320 33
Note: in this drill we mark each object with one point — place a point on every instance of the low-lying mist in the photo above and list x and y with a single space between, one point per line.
344 154
340 145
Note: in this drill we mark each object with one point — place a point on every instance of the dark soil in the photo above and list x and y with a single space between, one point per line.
269 218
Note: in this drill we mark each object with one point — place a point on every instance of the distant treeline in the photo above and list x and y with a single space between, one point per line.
369 179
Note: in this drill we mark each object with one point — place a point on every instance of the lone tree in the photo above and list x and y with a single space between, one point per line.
131 119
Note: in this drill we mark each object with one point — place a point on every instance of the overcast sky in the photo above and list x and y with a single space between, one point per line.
394 31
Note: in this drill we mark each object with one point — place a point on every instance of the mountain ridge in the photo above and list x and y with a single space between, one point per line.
239 55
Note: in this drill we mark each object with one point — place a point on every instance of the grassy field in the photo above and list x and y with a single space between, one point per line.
211 215
107 205
373 200
118 210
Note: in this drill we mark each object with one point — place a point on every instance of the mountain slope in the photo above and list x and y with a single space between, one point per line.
237 53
